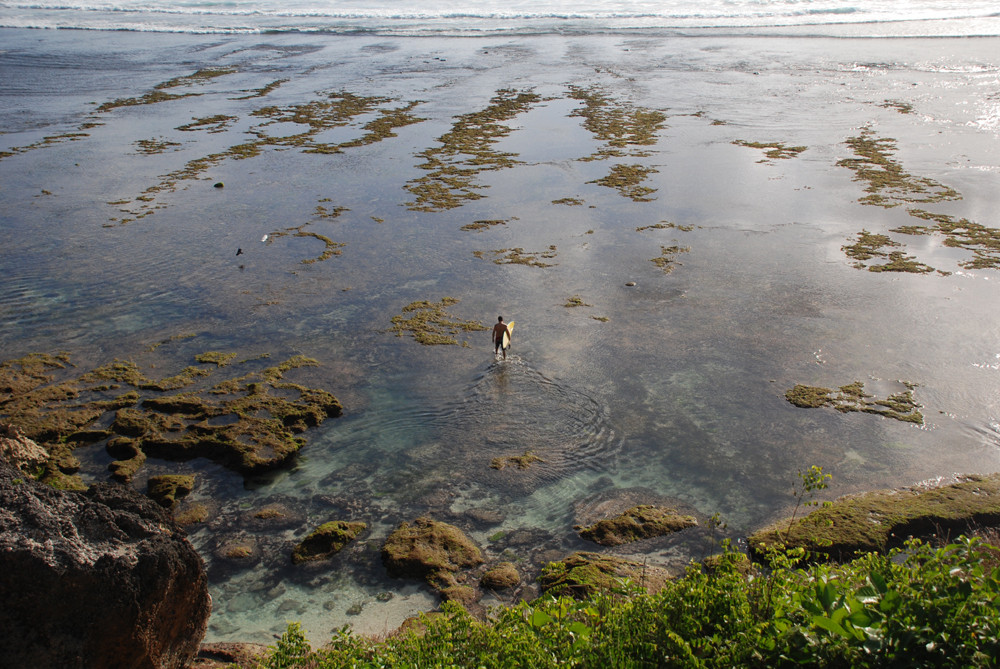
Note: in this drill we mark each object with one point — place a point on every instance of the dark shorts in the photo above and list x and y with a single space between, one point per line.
497 344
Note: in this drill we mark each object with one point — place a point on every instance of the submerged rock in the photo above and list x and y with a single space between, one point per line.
884 519
582 574
96 579
326 540
639 522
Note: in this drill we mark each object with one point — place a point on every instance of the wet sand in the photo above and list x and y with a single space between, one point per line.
564 169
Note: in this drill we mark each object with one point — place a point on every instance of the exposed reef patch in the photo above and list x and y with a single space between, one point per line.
900 406
466 151
430 324
772 150
249 422
667 260
518 256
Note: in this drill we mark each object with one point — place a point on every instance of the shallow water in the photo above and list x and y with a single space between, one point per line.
678 395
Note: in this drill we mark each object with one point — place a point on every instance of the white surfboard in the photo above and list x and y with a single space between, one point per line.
505 343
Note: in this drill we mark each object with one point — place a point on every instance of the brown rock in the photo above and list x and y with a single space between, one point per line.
19 450
501 577
96 579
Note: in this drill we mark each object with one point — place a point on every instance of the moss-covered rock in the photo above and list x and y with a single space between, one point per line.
326 540
429 549
582 574
501 577
884 519
167 489
639 522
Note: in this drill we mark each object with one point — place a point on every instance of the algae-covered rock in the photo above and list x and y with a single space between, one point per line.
501 577
165 490
883 519
639 522
326 540
582 574
428 549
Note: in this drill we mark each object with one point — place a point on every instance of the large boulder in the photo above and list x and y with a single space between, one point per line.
96 579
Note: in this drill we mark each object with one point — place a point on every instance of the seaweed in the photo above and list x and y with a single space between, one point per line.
520 461
627 180
430 324
465 151
773 150
888 185
518 256
869 246
667 261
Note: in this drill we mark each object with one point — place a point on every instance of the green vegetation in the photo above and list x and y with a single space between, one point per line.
772 150
44 142
326 540
981 241
575 301
430 324
158 95
519 256
639 522
466 151
852 397
569 201
924 606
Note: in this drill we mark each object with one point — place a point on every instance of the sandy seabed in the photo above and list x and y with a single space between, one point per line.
668 219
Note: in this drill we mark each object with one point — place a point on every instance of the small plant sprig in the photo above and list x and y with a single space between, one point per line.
811 481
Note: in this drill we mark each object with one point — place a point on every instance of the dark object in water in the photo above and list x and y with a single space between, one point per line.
219 185
239 252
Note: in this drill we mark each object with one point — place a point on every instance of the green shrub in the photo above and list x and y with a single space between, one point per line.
918 606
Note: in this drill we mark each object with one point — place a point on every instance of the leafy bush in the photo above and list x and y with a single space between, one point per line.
918 606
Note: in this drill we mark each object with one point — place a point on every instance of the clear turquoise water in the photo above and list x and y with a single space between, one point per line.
679 395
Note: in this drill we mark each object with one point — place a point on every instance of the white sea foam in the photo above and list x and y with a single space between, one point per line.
509 16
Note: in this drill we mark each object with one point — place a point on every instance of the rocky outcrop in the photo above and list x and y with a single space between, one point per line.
96 579
882 519
20 451
435 551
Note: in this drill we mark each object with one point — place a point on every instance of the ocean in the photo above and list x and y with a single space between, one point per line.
671 199
521 17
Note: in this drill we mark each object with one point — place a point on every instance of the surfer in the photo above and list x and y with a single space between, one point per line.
499 330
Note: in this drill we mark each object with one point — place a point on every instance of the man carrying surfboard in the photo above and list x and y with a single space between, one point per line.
501 337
